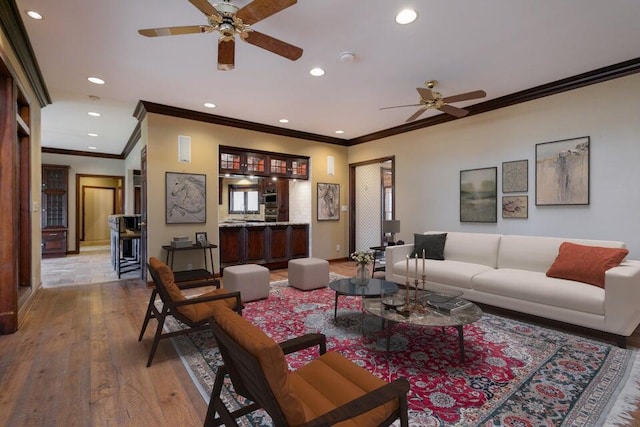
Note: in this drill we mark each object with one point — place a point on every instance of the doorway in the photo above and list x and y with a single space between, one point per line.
372 200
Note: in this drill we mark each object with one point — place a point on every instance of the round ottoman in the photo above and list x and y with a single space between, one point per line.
308 273
251 280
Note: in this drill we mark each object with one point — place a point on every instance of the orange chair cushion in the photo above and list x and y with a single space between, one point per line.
332 380
586 264
271 359
194 312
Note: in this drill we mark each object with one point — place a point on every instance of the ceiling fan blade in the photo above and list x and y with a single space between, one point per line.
399 106
465 96
425 94
175 31
416 115
257 10
226 54
205 7
274 45
454 111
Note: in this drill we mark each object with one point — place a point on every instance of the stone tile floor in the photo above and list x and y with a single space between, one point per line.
92 265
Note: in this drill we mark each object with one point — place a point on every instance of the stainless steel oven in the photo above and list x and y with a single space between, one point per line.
271 199
270 214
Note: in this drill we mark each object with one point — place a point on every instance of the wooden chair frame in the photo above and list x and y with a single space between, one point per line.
249 381
169 308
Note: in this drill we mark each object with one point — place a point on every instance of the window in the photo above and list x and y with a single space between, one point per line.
243 199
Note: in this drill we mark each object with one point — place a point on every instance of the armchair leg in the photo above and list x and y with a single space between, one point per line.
404 412
217 406
148 315
157 337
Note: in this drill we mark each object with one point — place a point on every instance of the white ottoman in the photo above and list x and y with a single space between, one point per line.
250 279
308 273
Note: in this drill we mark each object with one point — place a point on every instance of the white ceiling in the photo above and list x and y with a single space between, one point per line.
501 46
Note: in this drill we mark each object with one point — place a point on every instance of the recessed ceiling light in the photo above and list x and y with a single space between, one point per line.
283 121
92 134
339 131
92 148
33 14
93 114
96 80
316 72
406 16
209 105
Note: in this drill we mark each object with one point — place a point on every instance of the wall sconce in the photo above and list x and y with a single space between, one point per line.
331 165
391 227
184 149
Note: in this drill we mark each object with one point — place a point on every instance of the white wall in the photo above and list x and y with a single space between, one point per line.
428 164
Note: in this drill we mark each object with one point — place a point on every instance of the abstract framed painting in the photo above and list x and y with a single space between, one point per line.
562 172
328 201
515 206
479 195
186 198
515 176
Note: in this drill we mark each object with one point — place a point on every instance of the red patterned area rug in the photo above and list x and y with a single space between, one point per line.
515 373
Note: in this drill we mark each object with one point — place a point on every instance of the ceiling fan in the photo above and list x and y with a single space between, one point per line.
432 100
230 20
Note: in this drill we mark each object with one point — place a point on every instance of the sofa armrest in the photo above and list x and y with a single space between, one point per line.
622 298
394 254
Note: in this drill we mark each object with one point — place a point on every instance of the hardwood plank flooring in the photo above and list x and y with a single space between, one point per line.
76 361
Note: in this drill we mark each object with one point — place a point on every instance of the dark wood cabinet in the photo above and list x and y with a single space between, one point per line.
238 161
289 167
55 184
269 245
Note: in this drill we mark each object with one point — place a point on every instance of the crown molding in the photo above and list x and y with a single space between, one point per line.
82 153
15 31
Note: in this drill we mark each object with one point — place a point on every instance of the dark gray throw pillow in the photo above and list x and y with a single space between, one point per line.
433 245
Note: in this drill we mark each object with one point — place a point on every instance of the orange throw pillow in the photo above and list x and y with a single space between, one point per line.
585 263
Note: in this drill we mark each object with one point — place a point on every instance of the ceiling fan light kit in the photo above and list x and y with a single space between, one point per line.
229 20
432 100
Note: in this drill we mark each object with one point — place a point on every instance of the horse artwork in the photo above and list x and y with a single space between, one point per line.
328 201
186 198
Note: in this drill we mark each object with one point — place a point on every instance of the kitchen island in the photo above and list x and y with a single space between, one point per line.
271 244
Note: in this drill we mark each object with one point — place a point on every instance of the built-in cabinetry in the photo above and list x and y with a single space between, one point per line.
271 245
55 184
237 161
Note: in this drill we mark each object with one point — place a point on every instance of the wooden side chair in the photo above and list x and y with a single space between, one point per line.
195 312
329 390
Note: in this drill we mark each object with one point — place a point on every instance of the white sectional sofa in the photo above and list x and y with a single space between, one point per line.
509 271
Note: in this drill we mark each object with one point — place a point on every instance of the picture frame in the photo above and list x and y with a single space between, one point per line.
515 207
201 239
515 176
185 198
328 201
479 195
562 172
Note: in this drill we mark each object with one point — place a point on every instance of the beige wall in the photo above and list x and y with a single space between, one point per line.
429 161
162 156
9 57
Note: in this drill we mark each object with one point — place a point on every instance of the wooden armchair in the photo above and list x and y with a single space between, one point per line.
193 312
328 390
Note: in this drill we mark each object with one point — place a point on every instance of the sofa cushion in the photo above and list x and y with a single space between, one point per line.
452 273
537 287
585 263
537 253
476 248
431 245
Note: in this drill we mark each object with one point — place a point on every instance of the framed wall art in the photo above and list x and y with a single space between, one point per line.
562 172
515 176
186 198
328 202
515 206
479 195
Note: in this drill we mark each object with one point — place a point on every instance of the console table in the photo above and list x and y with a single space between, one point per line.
191 275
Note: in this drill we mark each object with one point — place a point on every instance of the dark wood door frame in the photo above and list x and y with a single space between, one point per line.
143 211
79 202
352 194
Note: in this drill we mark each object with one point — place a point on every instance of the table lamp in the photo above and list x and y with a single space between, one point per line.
391 227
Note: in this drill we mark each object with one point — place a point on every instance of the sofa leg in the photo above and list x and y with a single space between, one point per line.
622 341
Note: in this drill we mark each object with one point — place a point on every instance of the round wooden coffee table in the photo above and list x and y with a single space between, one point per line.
372 289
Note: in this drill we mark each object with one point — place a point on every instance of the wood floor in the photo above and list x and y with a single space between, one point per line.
76 361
